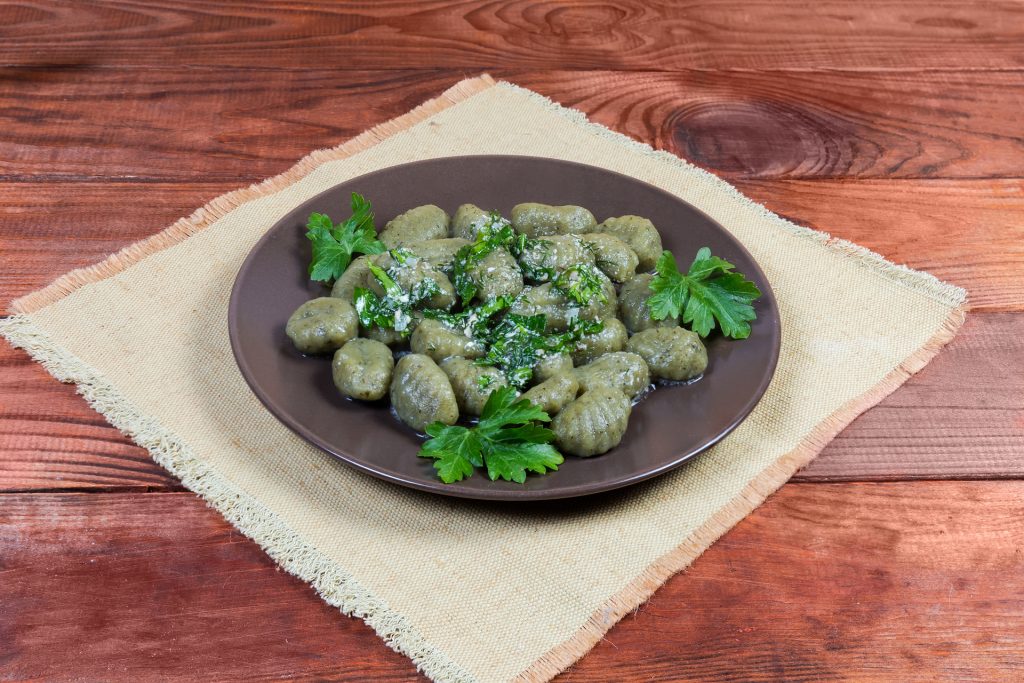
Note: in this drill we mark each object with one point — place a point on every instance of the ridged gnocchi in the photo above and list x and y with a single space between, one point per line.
633 309
421 393
641 236
538 220
322 325
553 393
439 341
671 353
592 424
427 222
624 371
471 383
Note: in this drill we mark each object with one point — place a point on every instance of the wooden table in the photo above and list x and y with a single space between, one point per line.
898 554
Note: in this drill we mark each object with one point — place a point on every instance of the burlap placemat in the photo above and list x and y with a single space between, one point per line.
470 592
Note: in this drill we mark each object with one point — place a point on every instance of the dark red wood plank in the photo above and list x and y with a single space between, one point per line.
207 124
970 233
475 34
130 587
908 581
967 232
866 582
961 417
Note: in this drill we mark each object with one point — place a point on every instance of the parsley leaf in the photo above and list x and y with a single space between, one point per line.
510 461
508 441
475 321
709 294
455 451
333 245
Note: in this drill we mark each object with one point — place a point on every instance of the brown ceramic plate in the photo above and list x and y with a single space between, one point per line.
668 427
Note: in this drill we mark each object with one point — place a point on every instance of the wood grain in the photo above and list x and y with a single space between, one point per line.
149 587
968 232
209 124
475 34
909 581
891 123
960 417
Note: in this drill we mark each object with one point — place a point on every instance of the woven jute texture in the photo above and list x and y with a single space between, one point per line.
470 592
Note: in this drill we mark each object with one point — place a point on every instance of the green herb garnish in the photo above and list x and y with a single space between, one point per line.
333 245
517 342
515 345
475 321
508 441
394 309
532 254
709 293
581 283
495 233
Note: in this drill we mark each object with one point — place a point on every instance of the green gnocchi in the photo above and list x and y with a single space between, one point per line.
550 304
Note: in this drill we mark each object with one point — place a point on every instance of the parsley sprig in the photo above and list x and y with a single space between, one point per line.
710 293
333 245
509 441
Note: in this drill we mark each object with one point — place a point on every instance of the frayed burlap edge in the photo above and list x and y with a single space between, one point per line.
919 281
336 586
640 589
299 558
224 204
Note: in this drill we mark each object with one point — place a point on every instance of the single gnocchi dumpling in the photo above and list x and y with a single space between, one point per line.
612 337
435 339
438 253
543 259
362 369
354 276
615 258
538 220
385 335
472 383
551 365
421 393
559 310
633 307
497 275
467 220
641 236
592 424
412 275
623 371
672 353
322 325
554 393
427 222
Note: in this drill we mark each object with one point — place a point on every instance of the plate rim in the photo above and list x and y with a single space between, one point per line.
505 495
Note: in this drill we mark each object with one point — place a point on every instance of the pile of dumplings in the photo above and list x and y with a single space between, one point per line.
590 391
